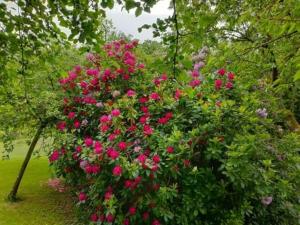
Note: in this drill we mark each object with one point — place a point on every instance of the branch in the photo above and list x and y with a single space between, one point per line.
176 39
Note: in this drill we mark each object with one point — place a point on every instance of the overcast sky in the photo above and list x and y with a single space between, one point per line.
129 24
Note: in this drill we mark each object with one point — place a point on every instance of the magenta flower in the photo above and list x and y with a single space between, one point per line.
115 112
117 171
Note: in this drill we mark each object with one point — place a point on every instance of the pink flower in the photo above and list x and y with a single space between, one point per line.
229 85
108 195
82 197
154 96
144 109
142 158
132 210
162 120
54 156
61 125
155 222
71 115
112 153
128 184
169 115
110 218
218 84
156 158
131 93
195 73
88 142
147 130
104 128
143 100
94 217
164 77
126 222
195 83
230 76
77 124
178 93
267 200
78 149
112 137
104 119
221 71
143 119
117 171
170 149
115 112
97 147
92 72
122 145
83 84
145 216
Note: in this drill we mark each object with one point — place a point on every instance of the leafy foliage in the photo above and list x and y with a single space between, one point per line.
136 147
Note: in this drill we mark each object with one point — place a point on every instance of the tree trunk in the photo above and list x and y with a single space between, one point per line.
13 194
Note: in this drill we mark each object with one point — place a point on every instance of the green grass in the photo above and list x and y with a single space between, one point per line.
39 204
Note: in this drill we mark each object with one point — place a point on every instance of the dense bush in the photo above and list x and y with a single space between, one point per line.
142 148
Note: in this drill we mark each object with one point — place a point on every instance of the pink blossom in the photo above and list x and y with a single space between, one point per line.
71 115
154 96
132 210
143 100
178 93
155 222
267 200
88 142
170 149
221 71
230 76
145 216
110 218
112 153
104 119
54 156
218 84
97 147
122 145
117 171
94 217
156 158
195 73
77 124
92 72
82 197
115 112
131 93
126 222
142 158
147 130
229 85
61 125
195 83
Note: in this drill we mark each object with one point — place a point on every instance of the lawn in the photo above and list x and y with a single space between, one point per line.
39 205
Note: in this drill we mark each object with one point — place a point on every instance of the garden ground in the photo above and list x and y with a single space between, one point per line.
39 204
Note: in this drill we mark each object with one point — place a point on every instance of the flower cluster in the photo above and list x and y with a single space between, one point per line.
137 148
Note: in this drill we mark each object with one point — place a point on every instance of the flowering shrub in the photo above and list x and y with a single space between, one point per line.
139 148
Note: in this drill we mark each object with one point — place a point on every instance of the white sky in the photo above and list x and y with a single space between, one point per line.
129 24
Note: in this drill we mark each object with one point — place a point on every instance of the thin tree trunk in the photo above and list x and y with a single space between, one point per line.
13 194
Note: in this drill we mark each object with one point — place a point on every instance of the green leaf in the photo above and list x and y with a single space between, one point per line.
297 76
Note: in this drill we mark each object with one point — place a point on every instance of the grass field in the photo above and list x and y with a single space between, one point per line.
39 204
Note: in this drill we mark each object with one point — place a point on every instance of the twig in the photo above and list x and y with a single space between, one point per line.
176 39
